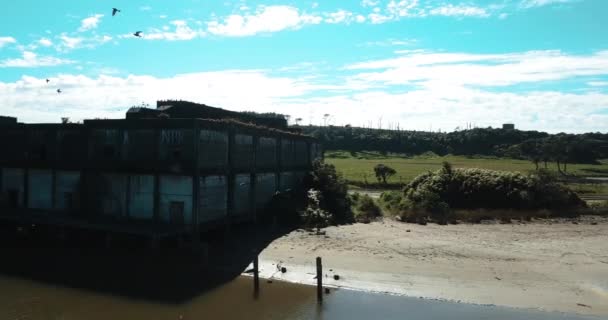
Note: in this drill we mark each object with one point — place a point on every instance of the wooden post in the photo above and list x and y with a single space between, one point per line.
256 278
319 280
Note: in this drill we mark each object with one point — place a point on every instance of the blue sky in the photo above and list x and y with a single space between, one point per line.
422 64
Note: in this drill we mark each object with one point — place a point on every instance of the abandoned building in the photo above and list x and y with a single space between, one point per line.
178 168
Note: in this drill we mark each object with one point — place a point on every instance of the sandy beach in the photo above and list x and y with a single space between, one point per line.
545 265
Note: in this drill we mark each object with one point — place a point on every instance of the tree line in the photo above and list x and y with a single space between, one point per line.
536 146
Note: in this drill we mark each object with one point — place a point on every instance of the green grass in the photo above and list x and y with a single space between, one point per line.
357 168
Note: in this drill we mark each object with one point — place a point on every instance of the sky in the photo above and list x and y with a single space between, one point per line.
417 64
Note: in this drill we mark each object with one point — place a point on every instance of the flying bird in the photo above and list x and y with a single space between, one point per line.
58 90
114 11
138 34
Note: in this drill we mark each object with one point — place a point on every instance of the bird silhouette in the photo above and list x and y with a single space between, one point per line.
58 90
47 80
114 11
138 34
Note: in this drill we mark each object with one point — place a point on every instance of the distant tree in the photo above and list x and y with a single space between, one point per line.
65 120
383 172
287 118
298 120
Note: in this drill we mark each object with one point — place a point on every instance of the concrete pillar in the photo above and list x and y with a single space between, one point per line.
26 187
253 180
196 189
53 189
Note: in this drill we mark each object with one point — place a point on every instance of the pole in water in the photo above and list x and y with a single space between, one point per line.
319 280
256 278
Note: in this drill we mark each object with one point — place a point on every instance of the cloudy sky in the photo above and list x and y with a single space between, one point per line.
424 64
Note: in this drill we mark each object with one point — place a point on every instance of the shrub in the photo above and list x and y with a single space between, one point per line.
366 209
333 191
314 216
437 193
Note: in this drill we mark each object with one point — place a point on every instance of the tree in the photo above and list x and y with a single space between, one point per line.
383 172
298 120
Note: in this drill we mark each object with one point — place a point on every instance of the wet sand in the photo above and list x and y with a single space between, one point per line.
548 265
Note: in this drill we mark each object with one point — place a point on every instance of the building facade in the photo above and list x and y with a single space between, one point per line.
146 174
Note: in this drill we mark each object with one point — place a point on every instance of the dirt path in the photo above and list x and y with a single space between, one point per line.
550 265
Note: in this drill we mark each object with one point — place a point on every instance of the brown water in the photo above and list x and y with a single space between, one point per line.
23 299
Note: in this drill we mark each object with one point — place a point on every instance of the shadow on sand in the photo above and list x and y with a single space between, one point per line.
128 267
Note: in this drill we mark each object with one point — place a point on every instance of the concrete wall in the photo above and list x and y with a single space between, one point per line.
105 144
40 144
265 187
176 146
138 145
141 197
301 153
213 150
213 198
242 153
287 181
70 146
175 192
12 179
67 190
113 194
266 153
12 144
242 197
40 189
287 153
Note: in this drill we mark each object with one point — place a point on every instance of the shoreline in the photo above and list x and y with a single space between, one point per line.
555 267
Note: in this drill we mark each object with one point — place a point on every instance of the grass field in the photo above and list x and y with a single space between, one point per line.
358 168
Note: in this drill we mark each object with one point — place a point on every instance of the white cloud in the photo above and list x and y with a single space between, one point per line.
539 3
67 42
360 18
390 43
45 42
598 83
369 3
451 10
503 16
377 18
145 8
462 69
70 42
30 60
340 16
6 40
403 8
163 16
266 19
440 106
90 22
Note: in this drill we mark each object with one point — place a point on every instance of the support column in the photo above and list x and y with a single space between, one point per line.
156 217
230 182
53 189
253 180
196 190
128 198
26 187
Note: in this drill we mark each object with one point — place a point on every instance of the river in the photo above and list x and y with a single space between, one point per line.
26 299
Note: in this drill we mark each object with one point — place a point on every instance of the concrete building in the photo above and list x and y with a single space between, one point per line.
147 174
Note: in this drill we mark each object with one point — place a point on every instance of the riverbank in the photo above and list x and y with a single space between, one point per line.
551 265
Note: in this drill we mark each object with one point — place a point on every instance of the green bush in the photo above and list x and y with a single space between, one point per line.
333 192
437 192
366 209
